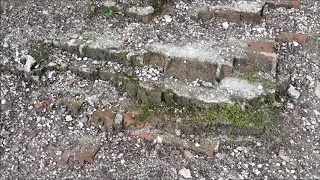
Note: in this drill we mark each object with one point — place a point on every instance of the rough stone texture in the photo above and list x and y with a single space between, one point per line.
109 3
192 52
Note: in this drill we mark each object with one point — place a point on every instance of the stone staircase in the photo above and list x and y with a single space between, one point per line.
236 76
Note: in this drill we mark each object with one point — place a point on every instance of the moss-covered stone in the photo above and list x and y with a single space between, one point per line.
167 98
39 50
224 113
130 85
154 59
159 6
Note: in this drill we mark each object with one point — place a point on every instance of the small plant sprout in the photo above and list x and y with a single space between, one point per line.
109 13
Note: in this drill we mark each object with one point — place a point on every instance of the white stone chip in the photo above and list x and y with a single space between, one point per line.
225 25
3 101
159 139
293 92
59 153
295 43
167 18
185 173
68 118
5 45
317 90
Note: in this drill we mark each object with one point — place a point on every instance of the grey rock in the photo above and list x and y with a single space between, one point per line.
14 148
5 45
141 11
109 3
187 154
118 124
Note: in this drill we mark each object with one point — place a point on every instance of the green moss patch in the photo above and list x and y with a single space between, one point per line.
40 51
233 114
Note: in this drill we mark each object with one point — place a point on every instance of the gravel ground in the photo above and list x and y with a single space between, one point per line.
30 138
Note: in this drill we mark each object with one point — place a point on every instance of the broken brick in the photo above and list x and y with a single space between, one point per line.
147 136
261 46
106 118
286 37
87 155
131 120
289 4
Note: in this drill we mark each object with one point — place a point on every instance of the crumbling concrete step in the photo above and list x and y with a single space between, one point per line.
191 71
252 11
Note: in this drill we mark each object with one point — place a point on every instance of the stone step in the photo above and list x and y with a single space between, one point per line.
249 78
233 12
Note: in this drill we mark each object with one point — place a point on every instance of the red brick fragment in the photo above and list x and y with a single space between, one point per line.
106 118
286 37
289 4
261 46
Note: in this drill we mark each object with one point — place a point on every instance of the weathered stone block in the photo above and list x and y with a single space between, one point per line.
225 71
260 56
239 11
230 15
191 70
